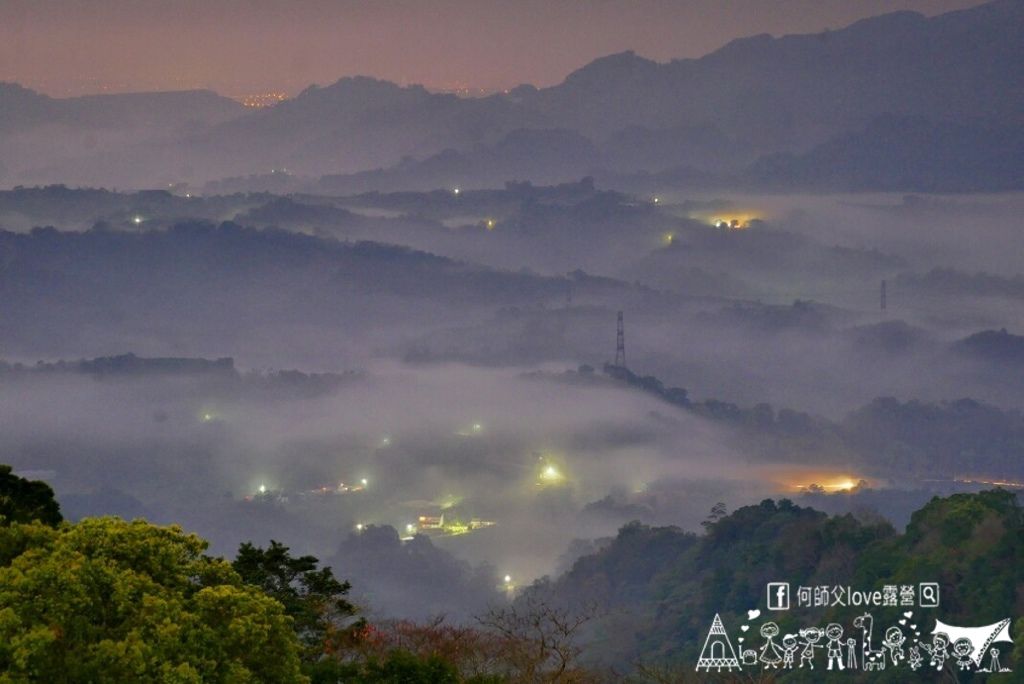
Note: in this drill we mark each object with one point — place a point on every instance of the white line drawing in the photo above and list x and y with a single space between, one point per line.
851 654
789 647
937 649
834 648
811 635
981 638
957 646
994 663
893 643
962 649
915 658
718 652
870 659
771 654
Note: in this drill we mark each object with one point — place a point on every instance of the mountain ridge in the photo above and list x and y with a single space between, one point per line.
766 94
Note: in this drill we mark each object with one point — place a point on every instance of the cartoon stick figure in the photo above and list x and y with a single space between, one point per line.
834 649
811 635
851 653
937 649
789 647
893 641
915 659
962 649
771 655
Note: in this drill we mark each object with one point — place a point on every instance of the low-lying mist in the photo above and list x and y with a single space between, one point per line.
545 460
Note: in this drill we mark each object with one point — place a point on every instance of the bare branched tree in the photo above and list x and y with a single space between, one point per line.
539 639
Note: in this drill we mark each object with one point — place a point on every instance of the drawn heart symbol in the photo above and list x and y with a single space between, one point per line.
913 626
903 622
740 640
908 613
745 627
753 614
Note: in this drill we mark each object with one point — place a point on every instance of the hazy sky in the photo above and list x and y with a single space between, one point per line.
238 47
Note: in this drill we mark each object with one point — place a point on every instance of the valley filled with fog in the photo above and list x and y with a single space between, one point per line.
343 371
379 323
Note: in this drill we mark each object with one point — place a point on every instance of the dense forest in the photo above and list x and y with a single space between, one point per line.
107 600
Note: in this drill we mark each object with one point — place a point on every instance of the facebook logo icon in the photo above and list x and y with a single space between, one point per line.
778 596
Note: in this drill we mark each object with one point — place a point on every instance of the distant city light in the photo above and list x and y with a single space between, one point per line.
508 579
410 528
365 482
263 489
490 224
137 220
740 222
656 200
474 429
817 481
550 475
456 191
260 100
359 527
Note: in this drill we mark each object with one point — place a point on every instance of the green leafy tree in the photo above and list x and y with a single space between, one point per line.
106 600
22 501
400 667
311 596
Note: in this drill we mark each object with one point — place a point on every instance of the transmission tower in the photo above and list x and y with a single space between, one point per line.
620 343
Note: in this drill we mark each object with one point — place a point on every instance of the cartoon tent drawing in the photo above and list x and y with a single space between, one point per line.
717 652
980 637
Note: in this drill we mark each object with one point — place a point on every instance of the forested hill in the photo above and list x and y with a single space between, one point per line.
903 441
77 599
656 589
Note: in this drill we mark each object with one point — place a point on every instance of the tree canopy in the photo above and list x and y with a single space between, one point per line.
23 501
658 586
105 600
312 597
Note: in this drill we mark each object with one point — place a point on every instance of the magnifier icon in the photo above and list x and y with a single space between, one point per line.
929 593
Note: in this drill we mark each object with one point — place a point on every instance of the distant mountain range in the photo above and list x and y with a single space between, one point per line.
24 109
729 114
